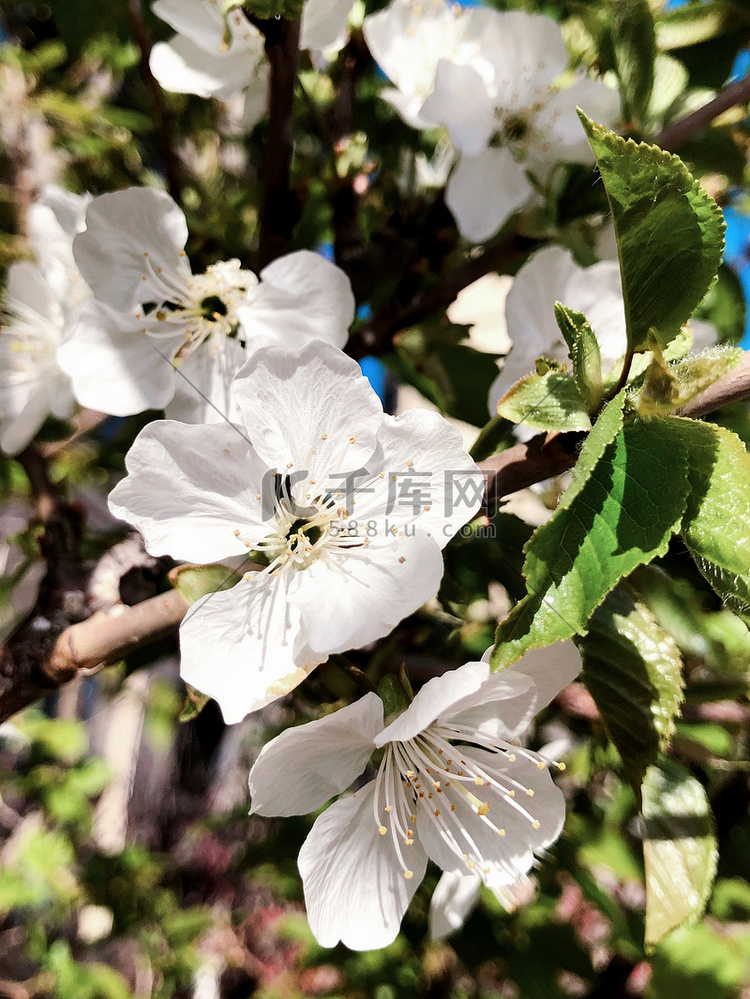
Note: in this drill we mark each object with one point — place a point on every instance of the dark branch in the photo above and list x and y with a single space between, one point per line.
674 135
280 209
165 122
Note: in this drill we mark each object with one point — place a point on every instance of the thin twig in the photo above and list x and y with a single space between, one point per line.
675 135
165 122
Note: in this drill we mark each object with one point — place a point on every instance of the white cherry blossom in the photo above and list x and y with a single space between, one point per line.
457 894
165 337
407 40
203 59
311 483
451 785
41 298
213 57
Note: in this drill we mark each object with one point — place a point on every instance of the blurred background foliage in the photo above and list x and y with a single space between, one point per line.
128 865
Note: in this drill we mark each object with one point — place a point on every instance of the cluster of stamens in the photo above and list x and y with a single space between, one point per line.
425 780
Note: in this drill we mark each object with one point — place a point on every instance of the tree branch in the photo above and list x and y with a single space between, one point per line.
279 209
165 122
675 135
375 336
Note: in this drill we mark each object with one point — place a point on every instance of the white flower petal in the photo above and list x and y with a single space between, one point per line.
301 769
355 889
559 123
189 488
19 428
499 859
527 52
182 67
459 101
309 410
437 698
203 383
244 647
429 479
325 24
452 901
550 670
114 367
484 191
368 590
129 236
199 20
301 297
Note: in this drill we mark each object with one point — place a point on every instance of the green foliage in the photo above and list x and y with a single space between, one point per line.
550 401
195 581
617 514
667 388
583 349
670 235
679 849
635 52
717 523
633 670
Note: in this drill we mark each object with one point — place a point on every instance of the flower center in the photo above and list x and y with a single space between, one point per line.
465 794
212 306
515 128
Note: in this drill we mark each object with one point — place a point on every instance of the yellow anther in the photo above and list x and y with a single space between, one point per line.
409 832
324 437
483 808
530 792
561 766
540 765
161 315
408 875
512 757
501 832
511 794
236 532
409 842
471 865
401 559
535 824
412 818
382 830
478 781
389 808
437 813
352 440
453 808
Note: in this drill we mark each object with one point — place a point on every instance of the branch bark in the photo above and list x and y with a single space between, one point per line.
279 210
142 37
675 135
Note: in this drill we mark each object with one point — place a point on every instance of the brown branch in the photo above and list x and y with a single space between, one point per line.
279 209
675 135
375 336
165 121
732 387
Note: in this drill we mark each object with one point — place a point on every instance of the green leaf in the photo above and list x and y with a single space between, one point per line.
633 670
635 53
716 529
545 402
195 581
679 849
195 702
725 307
668 387
670 234
670 80
496 436
583 348
624 503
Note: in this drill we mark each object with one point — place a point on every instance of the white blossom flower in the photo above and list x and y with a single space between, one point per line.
451 786
408 39
508 118
41 298
213 57
160 336
20 575
312 482
552 275
203 59
325 24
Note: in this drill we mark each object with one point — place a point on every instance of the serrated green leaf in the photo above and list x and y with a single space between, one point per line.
668 387
633 670
545 402
679 849
583 349
692 24
619 513
670 234
716 529
195 581
635 52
